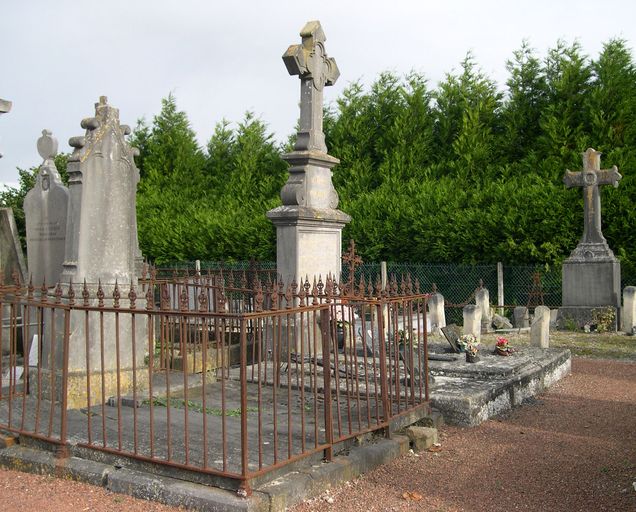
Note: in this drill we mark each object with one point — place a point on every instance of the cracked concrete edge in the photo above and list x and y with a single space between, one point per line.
165 490
312 481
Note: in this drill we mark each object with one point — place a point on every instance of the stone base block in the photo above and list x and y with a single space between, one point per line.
103 385
577 317
591 283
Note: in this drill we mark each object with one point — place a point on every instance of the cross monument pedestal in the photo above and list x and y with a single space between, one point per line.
592 274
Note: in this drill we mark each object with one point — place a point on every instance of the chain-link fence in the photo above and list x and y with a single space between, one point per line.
523 285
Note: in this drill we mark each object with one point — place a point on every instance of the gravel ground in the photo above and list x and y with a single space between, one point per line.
574 448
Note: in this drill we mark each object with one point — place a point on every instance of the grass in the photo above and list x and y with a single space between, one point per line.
180 403
608 345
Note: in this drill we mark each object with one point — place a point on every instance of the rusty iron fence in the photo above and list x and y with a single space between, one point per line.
223 377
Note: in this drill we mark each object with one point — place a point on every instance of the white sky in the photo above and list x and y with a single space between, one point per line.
223 58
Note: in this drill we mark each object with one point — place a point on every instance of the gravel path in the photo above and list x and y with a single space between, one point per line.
573 449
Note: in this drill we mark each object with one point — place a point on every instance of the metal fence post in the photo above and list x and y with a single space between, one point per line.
500 288
325 323
383 369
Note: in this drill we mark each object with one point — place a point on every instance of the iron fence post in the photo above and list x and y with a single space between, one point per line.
325 323
383 370
245 485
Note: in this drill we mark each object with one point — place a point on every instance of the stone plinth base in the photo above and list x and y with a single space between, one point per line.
577 317
77 382
308 242
592 283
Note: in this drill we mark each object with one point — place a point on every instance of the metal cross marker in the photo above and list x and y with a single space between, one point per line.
353 260
589 179
309 60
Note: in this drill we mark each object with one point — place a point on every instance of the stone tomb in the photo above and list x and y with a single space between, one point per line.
45 212
592 274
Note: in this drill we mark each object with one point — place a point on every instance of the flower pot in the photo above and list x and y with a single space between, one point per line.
471 358
501 352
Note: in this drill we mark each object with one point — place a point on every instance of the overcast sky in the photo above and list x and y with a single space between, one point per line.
223 58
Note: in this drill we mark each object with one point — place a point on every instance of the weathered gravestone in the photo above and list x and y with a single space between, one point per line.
540 327
11 255
628 323
482 299
592 274
12 266
452 333
45 212
472 320
436 311
101 247
521 317
308 224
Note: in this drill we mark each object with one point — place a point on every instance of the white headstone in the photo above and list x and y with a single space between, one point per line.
540 328
472 320
482 299
45 212
436 312
628 312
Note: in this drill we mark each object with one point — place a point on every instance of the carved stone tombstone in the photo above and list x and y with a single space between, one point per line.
45 212
308 224
592 274
101 242
101 247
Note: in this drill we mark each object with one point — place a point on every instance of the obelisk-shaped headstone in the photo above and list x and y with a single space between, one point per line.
101 241
45 212
308 224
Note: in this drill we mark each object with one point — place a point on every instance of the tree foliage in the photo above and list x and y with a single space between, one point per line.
460 172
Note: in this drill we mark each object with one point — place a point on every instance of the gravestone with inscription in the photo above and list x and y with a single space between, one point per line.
308 224
592 274
45 211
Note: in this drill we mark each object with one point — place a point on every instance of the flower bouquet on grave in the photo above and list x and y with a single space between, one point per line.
469 344
502 347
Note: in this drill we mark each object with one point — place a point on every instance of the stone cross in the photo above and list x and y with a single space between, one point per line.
589 179
309 60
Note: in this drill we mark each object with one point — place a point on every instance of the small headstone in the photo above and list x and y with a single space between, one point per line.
11 255
501 322
482 299
452 333
45 210
540 328
436 312
521 317
629 309
472 320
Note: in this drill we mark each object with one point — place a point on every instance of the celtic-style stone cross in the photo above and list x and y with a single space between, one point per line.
309 60
589 179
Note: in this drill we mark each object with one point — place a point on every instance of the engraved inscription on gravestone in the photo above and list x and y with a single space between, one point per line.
45 210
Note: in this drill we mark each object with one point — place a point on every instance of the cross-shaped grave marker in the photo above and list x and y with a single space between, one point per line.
353 260
309 60
589 179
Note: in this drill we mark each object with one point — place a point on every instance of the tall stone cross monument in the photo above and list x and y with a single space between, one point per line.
592 274
5 107
308 224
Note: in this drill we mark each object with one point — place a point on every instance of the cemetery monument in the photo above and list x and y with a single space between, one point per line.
592 274
308 224
45 211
